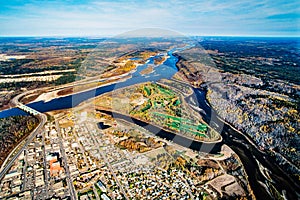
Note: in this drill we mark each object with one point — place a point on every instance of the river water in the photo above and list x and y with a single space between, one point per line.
245 150
249 156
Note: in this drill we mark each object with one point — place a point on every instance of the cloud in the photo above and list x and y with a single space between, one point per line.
284 16
113 17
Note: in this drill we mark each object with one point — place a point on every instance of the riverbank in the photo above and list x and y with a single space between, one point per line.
212 147
159 104
254 160
242 147
280 181
75 89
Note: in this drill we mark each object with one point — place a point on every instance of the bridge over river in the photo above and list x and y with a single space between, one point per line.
28 109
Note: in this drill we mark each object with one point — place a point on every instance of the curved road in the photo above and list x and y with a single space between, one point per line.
42 118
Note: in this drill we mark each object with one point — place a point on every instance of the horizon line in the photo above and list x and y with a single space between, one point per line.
110 36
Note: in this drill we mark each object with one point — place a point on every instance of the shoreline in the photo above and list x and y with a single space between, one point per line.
250 153
100 108
54 94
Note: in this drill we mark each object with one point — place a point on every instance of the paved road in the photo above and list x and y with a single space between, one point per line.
109 165
45 165
63 154
43 119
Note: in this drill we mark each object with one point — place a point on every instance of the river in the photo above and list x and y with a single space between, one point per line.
244 149
249 156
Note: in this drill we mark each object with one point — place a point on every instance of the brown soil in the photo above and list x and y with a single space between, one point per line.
65 91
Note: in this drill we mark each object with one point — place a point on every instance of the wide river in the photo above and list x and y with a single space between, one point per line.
248 153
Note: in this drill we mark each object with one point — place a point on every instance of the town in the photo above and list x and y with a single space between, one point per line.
90 155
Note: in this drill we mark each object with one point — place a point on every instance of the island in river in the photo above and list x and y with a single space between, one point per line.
125 158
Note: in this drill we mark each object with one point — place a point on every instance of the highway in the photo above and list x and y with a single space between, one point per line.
42 118
9 161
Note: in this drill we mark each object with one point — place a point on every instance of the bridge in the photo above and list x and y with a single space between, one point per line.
9 161
28 109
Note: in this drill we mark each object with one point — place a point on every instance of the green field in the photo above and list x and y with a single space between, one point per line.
179 123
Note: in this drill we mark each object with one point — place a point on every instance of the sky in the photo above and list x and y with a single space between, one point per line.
110 18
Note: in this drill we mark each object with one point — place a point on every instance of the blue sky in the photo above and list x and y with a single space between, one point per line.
106 18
